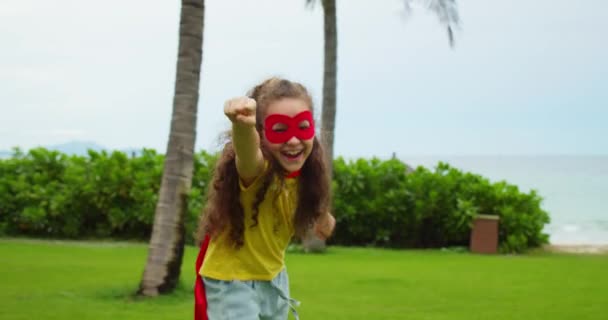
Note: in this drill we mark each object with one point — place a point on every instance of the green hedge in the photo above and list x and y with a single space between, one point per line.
111 195
48 194
379 203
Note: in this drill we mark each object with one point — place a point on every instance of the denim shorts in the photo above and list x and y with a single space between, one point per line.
249 300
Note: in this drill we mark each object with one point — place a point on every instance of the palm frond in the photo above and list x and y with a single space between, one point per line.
311 3
446 11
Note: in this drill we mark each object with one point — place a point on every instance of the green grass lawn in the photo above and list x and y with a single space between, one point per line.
93 280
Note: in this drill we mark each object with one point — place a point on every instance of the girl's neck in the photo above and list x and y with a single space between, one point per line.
291 175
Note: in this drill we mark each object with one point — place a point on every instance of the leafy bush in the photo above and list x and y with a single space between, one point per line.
376 202
45 193
370 199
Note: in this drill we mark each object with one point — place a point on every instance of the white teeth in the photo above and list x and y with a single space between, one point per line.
292 153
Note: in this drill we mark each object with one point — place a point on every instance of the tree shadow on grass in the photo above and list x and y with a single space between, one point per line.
128 293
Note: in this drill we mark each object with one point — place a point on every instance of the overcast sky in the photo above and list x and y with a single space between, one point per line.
525 77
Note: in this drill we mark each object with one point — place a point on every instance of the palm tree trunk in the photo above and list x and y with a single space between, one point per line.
166 248
311 242
328 116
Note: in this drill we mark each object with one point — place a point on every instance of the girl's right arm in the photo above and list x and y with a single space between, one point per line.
245 138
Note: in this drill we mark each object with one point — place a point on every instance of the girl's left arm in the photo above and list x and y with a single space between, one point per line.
324 226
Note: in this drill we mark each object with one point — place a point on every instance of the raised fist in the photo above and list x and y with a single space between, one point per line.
241 110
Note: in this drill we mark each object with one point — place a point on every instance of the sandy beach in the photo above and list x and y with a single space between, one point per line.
578 248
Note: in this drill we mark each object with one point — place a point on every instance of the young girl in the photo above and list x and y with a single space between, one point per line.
269 185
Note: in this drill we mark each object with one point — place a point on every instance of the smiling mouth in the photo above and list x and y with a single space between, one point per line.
292 155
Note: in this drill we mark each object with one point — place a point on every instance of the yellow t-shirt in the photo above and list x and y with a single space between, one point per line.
263 253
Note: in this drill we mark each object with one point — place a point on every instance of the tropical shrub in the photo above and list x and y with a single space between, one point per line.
45 193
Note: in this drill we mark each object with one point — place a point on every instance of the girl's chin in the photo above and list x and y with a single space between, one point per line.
290 166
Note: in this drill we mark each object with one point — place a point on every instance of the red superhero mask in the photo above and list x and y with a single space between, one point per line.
289 127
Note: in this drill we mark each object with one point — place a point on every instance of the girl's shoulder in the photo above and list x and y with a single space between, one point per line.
258 181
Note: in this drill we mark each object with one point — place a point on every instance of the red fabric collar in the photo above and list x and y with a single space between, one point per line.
293 175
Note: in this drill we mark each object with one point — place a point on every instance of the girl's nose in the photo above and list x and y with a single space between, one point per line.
294 140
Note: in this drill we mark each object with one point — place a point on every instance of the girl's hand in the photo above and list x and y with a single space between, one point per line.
246 140
241 110
325 226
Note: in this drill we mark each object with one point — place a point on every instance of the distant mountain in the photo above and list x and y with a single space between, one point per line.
79 148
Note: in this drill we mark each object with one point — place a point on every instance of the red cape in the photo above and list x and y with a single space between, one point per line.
200 300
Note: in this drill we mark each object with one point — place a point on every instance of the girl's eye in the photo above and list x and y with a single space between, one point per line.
279 127
304 125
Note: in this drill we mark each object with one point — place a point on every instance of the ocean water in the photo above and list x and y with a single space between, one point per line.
574 188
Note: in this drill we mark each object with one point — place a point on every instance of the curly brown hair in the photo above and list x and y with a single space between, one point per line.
224 210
